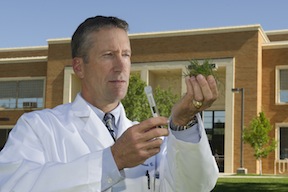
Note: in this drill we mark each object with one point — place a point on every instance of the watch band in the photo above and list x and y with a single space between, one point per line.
183 127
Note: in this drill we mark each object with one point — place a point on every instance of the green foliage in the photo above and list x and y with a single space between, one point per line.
257 135
165 100
195 68
136 103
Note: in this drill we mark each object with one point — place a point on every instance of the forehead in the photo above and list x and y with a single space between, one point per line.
110 36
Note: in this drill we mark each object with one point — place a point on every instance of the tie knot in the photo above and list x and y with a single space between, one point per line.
107 117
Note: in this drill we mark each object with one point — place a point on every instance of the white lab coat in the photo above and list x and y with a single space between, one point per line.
62 149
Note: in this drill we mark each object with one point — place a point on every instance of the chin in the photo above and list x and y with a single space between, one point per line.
119 97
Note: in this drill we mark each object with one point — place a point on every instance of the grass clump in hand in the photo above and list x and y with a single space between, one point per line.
204 68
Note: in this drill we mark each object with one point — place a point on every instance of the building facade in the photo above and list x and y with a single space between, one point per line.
246 57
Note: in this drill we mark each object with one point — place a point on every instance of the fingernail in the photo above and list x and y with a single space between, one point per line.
200 76
193 78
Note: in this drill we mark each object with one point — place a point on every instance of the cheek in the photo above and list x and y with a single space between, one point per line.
94 76
128 69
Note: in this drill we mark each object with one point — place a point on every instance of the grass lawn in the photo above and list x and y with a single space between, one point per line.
251 184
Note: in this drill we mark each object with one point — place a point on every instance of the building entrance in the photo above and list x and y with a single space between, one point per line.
214 123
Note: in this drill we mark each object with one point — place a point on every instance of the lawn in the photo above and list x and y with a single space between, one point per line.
251 184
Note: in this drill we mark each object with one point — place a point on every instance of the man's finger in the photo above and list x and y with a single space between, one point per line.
197 87
155 133
213 86
206 90
150 123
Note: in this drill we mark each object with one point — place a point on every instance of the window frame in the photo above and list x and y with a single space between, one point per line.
277 138
277 87
25 79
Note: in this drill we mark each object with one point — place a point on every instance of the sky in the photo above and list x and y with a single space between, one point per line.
32 22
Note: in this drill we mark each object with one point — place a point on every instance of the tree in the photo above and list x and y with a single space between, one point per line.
257 135
136 103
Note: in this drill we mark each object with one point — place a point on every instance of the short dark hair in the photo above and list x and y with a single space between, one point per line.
80 43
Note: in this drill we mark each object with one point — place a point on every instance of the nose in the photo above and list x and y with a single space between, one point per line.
120 63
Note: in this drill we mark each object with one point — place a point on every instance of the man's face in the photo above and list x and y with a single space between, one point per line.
105 77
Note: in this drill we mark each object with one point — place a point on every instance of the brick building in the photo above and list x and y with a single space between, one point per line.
247 57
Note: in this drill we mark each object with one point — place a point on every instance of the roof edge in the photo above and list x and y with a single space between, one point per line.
165 34
33 48
58 41
183 33
277 32
275 45
197 31
22 60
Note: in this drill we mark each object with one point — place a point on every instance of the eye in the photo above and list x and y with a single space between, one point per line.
108 54
126 54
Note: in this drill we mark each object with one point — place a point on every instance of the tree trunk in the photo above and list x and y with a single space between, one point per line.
260 166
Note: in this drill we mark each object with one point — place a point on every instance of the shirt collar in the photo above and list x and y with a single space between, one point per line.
115 112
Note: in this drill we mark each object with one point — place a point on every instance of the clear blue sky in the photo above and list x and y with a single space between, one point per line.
31 22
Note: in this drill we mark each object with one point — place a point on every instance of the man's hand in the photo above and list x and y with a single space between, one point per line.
199 88
139 143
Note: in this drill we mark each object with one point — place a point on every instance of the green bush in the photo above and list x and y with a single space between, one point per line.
136 103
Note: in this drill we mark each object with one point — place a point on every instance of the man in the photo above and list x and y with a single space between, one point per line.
69 148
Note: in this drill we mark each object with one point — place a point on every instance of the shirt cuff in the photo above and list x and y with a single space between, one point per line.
191 135
110 173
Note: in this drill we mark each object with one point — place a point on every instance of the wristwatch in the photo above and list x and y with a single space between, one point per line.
183 127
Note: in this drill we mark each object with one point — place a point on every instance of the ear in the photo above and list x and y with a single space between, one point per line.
77 64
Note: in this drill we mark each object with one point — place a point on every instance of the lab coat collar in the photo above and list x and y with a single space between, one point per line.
80 107
93 126
82 110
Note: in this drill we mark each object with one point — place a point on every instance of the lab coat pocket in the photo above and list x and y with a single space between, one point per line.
140 184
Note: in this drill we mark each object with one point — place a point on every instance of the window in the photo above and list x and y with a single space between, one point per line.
3 137
282 87
283 143
214 123
15 94
213 119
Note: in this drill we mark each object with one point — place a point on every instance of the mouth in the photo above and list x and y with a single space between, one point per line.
117 81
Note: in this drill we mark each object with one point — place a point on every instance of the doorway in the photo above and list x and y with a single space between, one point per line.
214 124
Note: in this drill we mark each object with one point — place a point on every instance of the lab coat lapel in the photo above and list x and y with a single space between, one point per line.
91 128
124 122
96 128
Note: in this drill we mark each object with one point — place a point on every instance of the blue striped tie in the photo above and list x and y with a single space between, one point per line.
108 122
